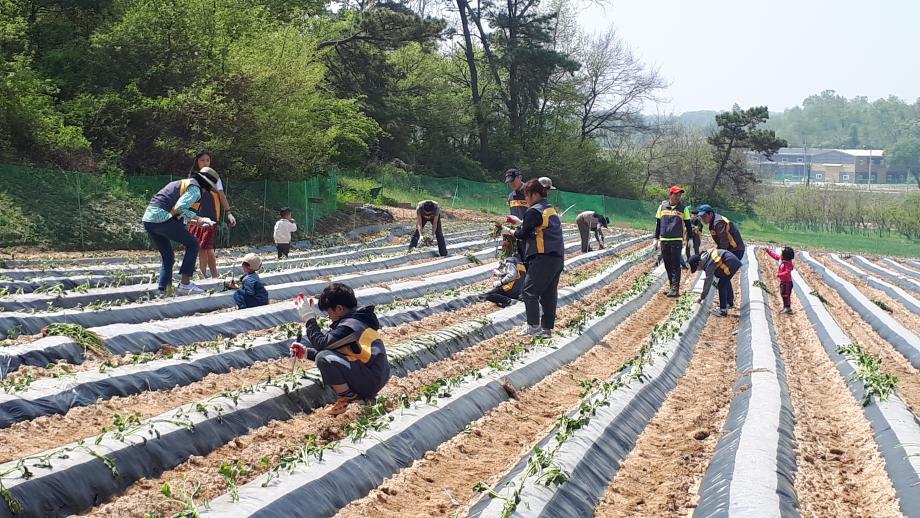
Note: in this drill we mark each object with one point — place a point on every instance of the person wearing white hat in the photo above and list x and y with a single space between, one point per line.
165 219
545 181
250 291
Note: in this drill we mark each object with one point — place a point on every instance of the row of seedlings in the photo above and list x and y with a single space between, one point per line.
333 264
187 365
133 336
569 470
896 428
753 468
337 474
332 242
146 447
904 341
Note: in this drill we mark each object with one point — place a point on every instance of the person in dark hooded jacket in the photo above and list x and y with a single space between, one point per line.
350 357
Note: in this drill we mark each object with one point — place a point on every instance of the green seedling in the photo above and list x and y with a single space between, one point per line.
87 339
759 284
882 305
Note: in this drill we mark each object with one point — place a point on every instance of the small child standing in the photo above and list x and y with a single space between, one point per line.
250 291
784 273
283 229
507 289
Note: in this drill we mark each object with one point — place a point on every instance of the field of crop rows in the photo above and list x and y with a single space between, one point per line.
114 403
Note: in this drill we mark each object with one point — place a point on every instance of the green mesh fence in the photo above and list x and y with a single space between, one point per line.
79 211
408 189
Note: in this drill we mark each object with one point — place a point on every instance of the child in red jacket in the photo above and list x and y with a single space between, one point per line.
785 275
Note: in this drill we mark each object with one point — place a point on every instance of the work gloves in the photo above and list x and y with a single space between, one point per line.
307 308
514 220
231 220
299 351
204 222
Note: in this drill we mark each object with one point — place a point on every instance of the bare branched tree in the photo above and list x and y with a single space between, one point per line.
614 85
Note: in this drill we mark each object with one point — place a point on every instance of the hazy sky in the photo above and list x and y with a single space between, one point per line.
774 52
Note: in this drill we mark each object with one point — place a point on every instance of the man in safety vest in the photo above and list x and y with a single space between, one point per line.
722 265
351 357
517 204
724 233
672 227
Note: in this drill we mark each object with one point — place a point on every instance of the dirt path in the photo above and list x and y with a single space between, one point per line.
443 481
839 469
278 437
661 476
904 316
862 333
42 433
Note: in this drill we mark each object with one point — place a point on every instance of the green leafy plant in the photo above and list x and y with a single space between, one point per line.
876 383
16 382
881 304
820 297
89 340
184 497
233 472
759 284
472 258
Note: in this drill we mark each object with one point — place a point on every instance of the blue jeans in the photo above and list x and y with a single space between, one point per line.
162 235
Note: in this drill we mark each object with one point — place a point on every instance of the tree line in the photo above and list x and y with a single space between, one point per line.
286 89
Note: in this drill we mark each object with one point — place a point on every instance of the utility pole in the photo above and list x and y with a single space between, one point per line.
869 183
806 172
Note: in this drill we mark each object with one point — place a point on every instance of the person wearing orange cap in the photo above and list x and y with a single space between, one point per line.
672 227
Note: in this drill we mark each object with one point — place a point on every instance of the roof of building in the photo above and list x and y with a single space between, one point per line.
863 152
812 151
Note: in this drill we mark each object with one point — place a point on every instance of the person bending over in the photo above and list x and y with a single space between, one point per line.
428 212
507 289
350 357
722 265
590 221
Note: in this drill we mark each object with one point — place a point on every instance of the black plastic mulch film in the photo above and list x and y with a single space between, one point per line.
83 480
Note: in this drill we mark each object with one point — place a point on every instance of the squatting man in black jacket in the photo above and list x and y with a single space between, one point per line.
350 357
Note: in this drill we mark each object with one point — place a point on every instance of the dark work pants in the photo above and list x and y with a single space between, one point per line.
726 292
785 291
360 378
438 234
541 289
284 249
499 297
162 235
670 254
584 231
696 244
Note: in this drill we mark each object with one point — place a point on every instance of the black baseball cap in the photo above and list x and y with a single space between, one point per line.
511 174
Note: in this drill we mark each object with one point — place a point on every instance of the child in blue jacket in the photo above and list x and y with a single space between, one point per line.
251 292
